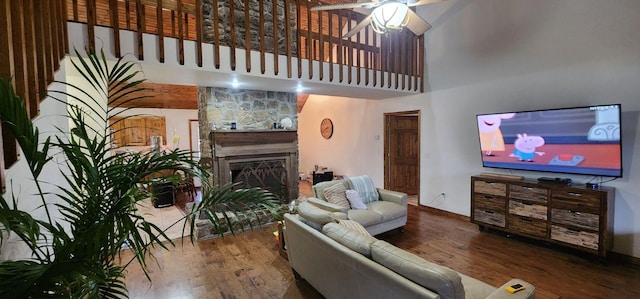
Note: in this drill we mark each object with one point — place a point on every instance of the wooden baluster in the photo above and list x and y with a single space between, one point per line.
140 28
403 62
287 32
232 34
274 13
358 62
19 60
384 41
75 10
115 24
308 37
180 34
321 57
44 68
6 60
247 34
412 66
375 59
30 57
261 33
349 49
62 28
421 62
199 33
127 10
339 50
160 24
216 36
55 36
367 56
299 37
330 17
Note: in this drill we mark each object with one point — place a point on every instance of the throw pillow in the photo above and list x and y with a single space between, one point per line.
336 194
355 226
364 185
355 200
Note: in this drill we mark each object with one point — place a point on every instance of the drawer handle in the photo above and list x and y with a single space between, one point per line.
488 212
528 188
574 212
527 204
526 219
574 194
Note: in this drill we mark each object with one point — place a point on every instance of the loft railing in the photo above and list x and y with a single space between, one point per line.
393 61
33 41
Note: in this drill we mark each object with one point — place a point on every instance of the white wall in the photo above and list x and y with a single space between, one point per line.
20 181
504 55
348 117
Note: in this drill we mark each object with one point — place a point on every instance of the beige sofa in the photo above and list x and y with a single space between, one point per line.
388 213
342 263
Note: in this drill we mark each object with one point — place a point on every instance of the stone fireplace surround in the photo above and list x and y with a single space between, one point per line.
264 157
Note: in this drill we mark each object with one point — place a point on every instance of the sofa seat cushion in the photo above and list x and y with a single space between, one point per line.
354 240
442 280
365 217
388 210
474 288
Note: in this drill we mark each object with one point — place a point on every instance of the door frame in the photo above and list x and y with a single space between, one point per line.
387 145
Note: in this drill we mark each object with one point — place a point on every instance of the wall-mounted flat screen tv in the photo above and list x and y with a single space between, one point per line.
580 140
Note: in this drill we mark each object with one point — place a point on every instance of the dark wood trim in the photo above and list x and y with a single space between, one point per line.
115 24
199 33
181 32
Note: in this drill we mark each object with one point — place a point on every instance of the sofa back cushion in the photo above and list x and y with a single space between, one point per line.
354 240
314 216
442 280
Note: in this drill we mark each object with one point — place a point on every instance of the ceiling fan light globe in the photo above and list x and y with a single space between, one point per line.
390 15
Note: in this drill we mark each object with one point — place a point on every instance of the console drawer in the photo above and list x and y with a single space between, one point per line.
526 209
534 194
488 187
489 217
575 201
582 220
575 237
528 226
494 203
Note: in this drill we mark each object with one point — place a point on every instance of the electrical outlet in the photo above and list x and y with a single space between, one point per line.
443 195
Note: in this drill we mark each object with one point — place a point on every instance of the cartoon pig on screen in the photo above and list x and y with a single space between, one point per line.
490 135
525 147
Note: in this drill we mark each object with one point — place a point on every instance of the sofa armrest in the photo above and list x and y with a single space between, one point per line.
528 293
393 196
325 205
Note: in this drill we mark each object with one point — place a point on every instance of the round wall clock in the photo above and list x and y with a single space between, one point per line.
326 128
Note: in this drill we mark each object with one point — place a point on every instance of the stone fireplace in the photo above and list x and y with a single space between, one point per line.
257 158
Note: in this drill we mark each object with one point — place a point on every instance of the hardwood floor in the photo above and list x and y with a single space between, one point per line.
248 265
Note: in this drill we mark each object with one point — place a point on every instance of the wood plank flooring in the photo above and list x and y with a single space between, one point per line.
248 265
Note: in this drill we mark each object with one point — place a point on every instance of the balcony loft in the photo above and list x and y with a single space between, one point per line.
203 46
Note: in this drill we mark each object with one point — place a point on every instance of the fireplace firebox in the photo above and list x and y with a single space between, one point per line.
267 159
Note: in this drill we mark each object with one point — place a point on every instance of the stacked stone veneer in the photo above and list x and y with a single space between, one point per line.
249 109
224 28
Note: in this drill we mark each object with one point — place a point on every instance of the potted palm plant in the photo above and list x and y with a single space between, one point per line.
75 254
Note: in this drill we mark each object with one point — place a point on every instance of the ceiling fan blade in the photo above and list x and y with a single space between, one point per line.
416 24
422 2
345 5
364 23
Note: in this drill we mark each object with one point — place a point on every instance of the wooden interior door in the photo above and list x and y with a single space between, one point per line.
402 152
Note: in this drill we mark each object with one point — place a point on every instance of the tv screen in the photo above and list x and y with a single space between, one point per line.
581 140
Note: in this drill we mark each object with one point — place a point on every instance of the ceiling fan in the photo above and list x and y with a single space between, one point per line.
386 15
